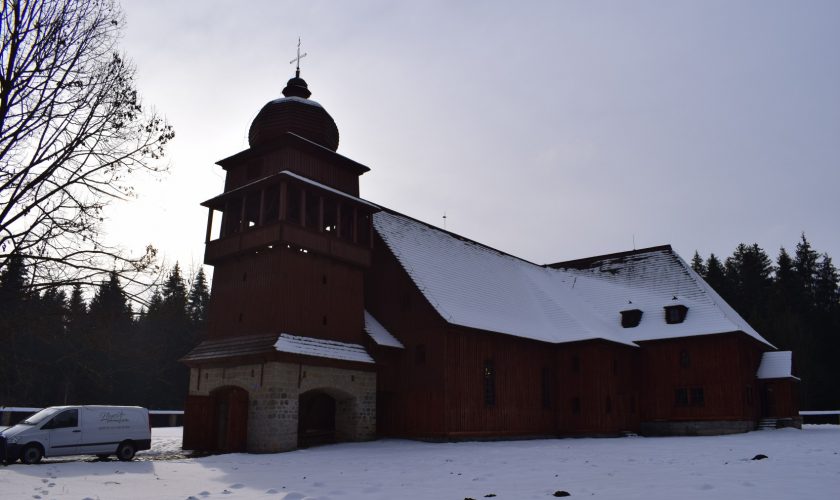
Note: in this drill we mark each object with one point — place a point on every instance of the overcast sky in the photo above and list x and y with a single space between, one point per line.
550 130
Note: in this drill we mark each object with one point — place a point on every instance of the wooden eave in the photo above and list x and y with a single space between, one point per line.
295 141
230 351
218 202
590 262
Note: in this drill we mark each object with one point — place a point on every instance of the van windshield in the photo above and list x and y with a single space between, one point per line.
41 416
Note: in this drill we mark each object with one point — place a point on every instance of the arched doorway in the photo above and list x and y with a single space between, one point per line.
230 429
325 416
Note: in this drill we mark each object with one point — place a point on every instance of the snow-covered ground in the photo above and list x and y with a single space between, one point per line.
800 464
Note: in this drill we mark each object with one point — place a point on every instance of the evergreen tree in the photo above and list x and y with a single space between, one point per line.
14 312
805 269
106 347
167 333
697 264
825 286
199 302
716 275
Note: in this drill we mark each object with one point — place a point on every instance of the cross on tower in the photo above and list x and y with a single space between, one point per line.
297 60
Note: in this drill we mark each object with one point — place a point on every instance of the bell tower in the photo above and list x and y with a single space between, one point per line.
289 238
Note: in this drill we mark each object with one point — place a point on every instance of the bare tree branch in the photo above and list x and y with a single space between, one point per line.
72 133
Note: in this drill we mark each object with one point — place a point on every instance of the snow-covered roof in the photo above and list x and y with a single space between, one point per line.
318 185
321 348
297 99
777 364
476 286
379 334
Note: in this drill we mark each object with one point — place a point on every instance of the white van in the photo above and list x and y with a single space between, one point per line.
78 430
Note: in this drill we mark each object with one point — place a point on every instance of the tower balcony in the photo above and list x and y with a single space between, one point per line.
286 210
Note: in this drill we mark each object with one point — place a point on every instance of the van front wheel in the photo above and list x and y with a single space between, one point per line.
31 454
125 451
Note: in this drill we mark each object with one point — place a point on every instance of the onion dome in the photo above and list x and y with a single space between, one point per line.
295 113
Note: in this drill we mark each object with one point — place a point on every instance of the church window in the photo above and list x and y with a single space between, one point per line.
252 209
420 354
685 359
346 231
697 396
675 314
232 217
330 216
489 383
324 320
293 200
272 204
681 397
313 210
323 279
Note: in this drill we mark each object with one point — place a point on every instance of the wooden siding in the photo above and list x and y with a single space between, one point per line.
302 163
597 388
779 397
517 399
724 366
259 238
287 291
410 396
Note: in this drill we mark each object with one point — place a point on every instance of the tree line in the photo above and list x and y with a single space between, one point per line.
794 303
58 348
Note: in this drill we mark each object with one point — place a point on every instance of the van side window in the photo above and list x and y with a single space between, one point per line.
67 418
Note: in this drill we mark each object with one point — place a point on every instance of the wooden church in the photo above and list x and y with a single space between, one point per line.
333 318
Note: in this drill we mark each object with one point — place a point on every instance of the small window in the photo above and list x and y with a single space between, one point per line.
576 406
685 359
675 314
681 397
575 363
489 383
545 384
631 318
697 396
420 355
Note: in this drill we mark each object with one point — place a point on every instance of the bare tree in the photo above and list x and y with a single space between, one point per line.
72 133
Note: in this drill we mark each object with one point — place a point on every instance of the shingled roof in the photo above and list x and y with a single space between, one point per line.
473 285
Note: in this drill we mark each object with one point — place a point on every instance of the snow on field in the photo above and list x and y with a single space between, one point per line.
800 464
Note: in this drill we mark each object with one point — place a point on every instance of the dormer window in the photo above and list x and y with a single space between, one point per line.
631 318
675 314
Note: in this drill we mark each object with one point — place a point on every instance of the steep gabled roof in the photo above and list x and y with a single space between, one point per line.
650 279
476 286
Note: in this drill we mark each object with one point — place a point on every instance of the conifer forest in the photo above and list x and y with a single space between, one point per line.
58 347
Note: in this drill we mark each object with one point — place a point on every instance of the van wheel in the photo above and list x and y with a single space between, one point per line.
31 454
125 451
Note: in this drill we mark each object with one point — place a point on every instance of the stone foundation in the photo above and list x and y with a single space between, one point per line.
274 389
696 428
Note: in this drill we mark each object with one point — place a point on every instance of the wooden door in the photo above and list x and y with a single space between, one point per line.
199 423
